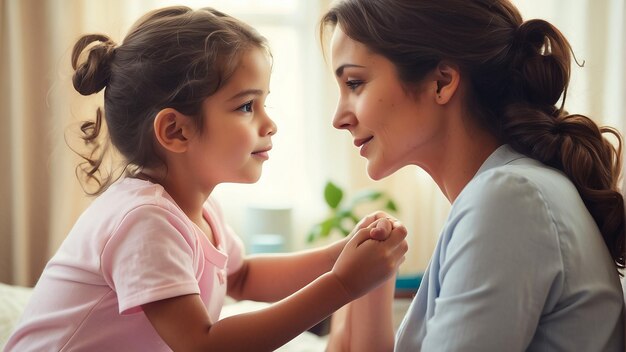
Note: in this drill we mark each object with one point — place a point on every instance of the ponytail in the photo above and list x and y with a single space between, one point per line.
574 144
91 76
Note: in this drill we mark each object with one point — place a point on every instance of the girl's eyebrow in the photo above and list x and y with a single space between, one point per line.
247 92
339 70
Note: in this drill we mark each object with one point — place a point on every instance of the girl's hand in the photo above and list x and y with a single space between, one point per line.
365 263
386 226
381 232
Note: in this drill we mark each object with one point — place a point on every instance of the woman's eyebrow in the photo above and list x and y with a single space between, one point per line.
339 70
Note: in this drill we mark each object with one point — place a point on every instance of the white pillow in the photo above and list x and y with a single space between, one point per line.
13 299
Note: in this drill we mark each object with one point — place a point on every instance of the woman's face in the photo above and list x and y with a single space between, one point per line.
392 125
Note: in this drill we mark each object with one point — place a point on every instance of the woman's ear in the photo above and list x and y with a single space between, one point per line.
448 77
173 130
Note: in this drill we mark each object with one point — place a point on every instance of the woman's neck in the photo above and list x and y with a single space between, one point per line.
460 158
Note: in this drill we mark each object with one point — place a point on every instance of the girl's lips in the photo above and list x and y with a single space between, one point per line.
263 153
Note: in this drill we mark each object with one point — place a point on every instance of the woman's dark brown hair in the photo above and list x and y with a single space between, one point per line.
173 57
517 73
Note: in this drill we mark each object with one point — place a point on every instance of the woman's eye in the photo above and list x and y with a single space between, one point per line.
247 107
353 84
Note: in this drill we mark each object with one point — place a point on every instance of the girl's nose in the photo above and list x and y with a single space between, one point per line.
269 128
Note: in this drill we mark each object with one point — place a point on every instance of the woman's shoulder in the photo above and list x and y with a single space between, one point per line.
522 182
524 198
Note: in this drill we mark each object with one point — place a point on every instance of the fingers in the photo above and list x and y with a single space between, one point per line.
399 251
397 235
366 221
381 231
383 215
360 236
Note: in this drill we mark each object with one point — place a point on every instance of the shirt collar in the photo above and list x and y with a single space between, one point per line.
501 156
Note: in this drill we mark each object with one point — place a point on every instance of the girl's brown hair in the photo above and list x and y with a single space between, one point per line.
173 57
517 72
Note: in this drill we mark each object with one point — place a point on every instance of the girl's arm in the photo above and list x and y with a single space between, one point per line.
365 324
296 269
184 324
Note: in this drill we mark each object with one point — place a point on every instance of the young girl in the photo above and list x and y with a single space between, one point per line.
147 265
530 256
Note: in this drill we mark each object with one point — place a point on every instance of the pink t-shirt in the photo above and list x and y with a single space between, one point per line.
132 246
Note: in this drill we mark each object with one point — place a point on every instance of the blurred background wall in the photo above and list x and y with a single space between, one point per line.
41 199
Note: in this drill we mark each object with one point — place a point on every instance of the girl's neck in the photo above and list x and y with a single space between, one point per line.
189 198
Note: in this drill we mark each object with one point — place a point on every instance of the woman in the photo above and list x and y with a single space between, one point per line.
530 254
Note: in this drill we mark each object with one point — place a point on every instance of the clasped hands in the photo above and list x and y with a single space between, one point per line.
371 254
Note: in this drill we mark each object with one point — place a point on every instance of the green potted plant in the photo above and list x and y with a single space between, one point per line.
342 216
342 219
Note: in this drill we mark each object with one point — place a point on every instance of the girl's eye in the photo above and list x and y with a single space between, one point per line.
247 107
353 84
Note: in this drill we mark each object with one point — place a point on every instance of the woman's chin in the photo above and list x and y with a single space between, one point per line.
377 169
377 173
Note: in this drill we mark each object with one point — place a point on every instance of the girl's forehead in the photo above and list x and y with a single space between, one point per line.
250 77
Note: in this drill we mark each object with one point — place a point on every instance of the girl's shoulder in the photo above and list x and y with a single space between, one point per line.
128 193
125 200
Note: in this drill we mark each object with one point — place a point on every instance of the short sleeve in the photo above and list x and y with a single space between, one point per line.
151 256
501 261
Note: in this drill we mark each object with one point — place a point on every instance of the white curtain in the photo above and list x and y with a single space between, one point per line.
42 199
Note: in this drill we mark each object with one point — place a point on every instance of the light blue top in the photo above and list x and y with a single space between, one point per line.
520 265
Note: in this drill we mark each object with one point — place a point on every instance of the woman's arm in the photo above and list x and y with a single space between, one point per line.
184 324
365 324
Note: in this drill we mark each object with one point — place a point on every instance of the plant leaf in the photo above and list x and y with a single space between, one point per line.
366 195
332 195
344 231
326 226
343 213
391 206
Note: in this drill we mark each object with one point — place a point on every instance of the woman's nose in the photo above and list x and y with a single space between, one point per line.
343 118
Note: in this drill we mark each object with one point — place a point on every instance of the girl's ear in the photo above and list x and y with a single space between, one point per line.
173 130
448 77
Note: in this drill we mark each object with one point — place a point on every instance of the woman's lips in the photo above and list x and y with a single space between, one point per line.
363 143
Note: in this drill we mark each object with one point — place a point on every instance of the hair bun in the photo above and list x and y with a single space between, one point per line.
92 75
542 58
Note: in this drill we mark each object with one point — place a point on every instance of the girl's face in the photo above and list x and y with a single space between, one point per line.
237 131
391 126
